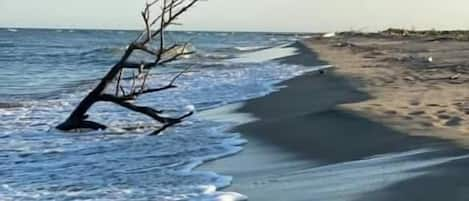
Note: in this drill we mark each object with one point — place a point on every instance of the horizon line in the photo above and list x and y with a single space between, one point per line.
175 30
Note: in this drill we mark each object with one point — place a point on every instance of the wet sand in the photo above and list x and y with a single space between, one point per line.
312 143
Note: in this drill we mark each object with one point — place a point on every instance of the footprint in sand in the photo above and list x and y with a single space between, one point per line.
390 112
426 124
417 113
444 116
454 121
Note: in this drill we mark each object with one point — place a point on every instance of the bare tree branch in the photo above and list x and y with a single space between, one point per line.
123 95
176 15
141 109
176 121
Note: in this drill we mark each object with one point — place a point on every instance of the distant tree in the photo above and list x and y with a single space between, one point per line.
150 42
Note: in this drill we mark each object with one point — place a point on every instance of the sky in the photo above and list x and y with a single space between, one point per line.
245 15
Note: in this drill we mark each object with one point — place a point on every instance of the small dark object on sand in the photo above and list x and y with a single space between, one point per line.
454 121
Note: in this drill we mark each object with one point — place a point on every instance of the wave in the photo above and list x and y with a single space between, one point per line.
7 44
53 91
251 48
223 34
227 53
10 105
12 30
214 56
103 50
39 46
266 54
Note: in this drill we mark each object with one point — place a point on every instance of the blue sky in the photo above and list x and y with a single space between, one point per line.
245 15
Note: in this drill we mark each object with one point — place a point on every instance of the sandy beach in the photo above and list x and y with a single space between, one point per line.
387 122
193 100
418 84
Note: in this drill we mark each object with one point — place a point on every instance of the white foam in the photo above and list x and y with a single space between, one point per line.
228 113
250 48
210 193
190 108
266 54
226 196
329 35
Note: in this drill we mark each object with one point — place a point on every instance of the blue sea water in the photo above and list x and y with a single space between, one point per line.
45 73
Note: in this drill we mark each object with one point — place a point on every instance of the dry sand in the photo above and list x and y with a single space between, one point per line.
418 85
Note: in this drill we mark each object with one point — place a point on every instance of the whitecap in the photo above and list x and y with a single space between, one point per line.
250 48
266 54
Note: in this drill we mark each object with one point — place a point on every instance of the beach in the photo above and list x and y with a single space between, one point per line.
386 122
294 117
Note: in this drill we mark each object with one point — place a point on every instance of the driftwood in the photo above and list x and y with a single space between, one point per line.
153 35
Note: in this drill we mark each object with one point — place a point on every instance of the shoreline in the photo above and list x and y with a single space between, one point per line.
311 126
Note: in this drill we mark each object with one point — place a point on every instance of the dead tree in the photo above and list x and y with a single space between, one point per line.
151 42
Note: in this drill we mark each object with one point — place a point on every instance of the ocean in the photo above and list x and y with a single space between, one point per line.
45 73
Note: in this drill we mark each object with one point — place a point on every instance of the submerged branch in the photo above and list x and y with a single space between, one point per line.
177 121
124 102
